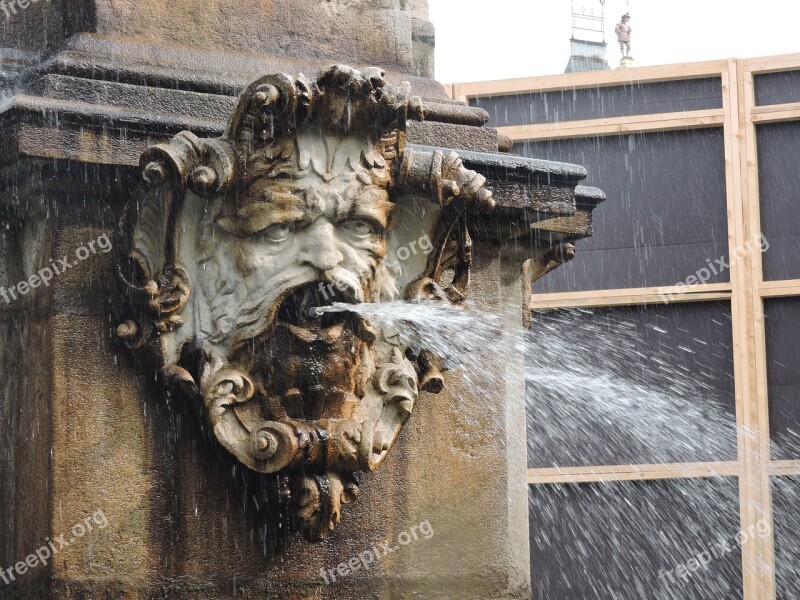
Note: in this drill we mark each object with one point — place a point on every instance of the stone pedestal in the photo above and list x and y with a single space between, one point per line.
86 429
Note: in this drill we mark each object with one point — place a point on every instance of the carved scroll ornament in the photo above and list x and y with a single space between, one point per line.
235 239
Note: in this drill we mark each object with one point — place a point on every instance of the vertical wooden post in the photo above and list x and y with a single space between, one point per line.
736 238
759 398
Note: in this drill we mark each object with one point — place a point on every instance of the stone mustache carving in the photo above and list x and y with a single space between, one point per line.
234 239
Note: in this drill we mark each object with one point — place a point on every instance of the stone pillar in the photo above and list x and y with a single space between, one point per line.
89 436
395 34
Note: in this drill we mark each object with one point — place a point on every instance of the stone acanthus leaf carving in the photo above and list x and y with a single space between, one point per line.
235 239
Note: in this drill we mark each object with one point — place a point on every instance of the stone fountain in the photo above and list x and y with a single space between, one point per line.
183 386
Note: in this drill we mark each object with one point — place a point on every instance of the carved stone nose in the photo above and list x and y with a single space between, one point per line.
320 247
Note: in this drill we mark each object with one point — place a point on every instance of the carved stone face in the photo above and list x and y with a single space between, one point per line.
293 236
296 243
285 246
289 212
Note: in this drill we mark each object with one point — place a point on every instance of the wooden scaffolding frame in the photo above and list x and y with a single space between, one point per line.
739 117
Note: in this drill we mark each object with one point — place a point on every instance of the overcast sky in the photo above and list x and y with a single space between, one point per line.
498 39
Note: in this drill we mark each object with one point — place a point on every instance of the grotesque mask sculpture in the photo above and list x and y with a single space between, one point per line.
235 241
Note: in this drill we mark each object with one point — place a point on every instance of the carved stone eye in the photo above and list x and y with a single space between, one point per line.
279 232
358 228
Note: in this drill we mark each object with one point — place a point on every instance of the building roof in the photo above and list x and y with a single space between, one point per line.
578 64
587 56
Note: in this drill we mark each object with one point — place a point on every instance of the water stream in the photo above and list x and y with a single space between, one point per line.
608 388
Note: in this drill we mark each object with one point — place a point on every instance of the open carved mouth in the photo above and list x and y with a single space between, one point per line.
296 309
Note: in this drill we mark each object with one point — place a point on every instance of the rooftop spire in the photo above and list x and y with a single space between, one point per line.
588 37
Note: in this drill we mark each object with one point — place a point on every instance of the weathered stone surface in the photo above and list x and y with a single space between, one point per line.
469 434
100 458
365 31
212 107
416 8
315 29
462 137
474 553
423 36
105 99
87 428
210 70
25 409
85 288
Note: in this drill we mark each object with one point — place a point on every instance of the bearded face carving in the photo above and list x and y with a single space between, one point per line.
236 241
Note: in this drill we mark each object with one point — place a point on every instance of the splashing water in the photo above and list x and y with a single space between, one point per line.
597 393
604 389
609 390
462 337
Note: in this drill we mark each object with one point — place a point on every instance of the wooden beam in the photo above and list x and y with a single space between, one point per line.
740 301
782 112
634 296
765 286
592 79
771 108
633 472
779 289
784 468
772 64
783 292
454 91
756 502
697 119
